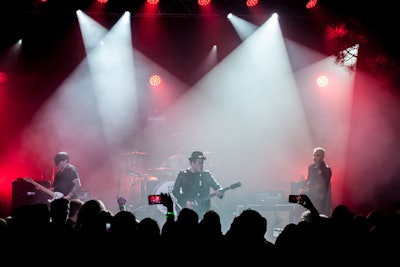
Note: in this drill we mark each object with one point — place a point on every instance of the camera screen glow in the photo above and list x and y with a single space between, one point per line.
155 199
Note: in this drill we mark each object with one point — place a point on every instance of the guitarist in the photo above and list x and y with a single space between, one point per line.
66 180
192 186
318 183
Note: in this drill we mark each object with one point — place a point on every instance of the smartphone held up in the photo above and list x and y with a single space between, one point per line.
155 199
296 199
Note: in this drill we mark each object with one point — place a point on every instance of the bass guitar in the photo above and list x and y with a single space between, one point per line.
54 195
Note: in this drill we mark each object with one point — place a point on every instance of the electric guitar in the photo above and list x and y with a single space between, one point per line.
197 203
54 195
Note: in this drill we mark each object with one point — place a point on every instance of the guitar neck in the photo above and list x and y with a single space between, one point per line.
215 193
39 186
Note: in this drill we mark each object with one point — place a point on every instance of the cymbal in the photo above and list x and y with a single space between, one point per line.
134 153
132 173
161 169
152 178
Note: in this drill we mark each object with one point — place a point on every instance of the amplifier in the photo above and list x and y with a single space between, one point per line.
272 197
25 193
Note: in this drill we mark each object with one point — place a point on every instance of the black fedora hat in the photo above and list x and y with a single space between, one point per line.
197 155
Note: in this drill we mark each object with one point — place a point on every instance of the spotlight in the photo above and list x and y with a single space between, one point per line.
322 81
204 2
312 3
155 80
251 3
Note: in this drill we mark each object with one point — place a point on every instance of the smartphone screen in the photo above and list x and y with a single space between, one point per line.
155 199
294 198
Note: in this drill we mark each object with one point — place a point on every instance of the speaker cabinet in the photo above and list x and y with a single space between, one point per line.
25 193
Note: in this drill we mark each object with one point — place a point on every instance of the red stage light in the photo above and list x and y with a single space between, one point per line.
204 2
155 80
312 3
251 3
322 81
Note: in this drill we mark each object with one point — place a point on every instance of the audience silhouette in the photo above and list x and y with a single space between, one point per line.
75 205
90 232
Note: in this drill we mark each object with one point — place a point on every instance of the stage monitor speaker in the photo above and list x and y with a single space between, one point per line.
272 197
25 193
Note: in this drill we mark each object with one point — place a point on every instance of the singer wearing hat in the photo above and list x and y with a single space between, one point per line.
193 185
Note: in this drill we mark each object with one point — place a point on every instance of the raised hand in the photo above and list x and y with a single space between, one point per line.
121 202
167 201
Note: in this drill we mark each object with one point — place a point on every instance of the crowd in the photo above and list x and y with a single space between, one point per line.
77 233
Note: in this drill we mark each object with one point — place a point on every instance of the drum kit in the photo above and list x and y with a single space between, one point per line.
136 184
